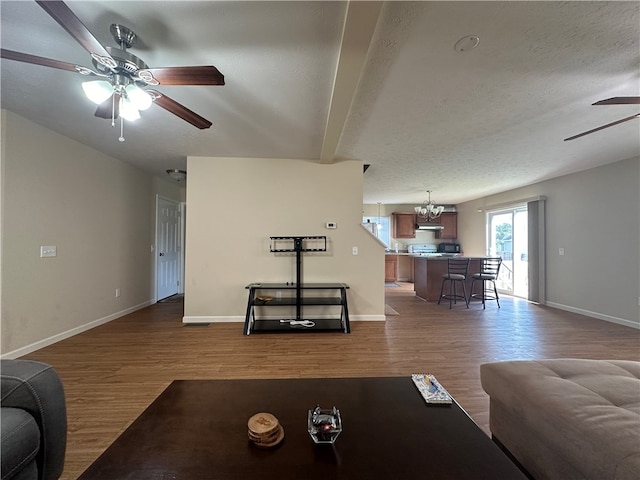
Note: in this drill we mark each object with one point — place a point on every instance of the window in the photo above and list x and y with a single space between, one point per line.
381 228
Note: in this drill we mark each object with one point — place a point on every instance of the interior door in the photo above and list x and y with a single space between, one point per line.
167 247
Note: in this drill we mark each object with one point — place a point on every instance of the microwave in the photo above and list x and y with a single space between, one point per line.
449 248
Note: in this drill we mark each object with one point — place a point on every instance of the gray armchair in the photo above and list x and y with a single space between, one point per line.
34 421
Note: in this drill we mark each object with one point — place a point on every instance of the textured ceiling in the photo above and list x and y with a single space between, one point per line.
329 81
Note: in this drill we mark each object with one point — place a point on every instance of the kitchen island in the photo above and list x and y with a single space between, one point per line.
428 271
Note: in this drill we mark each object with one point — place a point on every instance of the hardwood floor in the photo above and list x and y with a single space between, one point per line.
113 372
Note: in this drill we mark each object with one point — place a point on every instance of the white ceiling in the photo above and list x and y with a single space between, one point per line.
327 81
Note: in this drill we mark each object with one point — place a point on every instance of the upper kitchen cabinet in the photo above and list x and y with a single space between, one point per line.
404 225
449 221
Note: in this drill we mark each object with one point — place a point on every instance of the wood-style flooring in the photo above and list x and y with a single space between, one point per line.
113 372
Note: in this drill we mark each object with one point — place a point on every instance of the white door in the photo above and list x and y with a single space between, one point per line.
167 247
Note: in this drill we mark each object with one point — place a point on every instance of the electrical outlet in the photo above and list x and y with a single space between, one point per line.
561 251
117 292
354 250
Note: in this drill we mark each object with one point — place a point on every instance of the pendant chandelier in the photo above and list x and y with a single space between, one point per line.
429 210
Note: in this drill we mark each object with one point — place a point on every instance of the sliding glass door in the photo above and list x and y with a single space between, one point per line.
507 237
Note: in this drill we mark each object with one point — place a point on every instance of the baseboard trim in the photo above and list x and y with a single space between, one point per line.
209 319
240 319
599 316
72 332
367 318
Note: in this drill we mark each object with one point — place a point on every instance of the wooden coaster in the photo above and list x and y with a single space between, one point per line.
264 430
272 443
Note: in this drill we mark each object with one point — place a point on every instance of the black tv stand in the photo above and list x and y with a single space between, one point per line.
319 295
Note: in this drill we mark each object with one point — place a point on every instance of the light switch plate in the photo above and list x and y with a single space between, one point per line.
48 251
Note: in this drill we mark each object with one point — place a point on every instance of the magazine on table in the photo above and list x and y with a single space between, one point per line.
430 389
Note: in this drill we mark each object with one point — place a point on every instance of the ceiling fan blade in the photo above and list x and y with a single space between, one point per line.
201 75
108 109
619 101
179 110
603 127
62 14
47 62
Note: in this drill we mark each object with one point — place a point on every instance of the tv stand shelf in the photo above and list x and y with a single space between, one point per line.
298 294
307 295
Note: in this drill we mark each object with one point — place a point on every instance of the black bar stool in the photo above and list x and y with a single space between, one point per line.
456 272
489 269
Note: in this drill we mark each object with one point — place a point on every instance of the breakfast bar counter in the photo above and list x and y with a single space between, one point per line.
428 271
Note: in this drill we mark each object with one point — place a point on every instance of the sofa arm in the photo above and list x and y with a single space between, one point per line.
36 388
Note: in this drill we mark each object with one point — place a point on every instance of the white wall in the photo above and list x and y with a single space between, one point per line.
97 211
236 204
595 216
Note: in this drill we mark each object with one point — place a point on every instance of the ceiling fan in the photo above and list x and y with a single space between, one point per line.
120 90
611 101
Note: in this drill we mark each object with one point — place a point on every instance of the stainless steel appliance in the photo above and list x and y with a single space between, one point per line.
449 248
424 225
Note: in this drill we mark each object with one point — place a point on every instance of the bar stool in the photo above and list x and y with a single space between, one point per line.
456 272
489 269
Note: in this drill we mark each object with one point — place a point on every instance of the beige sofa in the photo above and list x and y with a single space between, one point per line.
567 418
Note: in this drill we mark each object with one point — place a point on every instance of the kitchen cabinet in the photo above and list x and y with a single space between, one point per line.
404 225
405 268
390 268
449 221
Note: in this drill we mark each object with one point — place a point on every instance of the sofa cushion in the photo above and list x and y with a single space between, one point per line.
587 412
19 443
36 388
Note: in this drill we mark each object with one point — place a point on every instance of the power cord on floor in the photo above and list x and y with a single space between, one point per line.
300 323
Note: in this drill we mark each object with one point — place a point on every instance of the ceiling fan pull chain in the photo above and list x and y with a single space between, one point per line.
113 110
121 138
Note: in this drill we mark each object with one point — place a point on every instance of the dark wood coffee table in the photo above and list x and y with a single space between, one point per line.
197 429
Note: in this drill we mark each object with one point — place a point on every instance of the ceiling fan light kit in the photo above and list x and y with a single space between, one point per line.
140 99
120 92
97 90
128 110
177 174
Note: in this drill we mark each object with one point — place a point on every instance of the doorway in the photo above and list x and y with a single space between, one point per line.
168 247
507 232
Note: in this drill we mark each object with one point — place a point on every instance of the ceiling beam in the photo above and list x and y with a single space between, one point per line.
359 26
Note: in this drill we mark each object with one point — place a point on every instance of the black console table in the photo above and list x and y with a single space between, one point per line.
265 295
272 296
